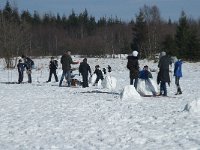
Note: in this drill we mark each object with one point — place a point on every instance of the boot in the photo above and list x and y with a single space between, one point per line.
178 91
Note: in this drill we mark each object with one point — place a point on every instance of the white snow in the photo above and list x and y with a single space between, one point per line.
129 92
43 116
193 107
147 87
109 82
92 79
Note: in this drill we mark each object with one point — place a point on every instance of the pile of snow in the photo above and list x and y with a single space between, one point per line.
109 82
92 79
193 107
147 87
129 92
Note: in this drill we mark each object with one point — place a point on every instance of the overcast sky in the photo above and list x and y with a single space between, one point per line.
124 9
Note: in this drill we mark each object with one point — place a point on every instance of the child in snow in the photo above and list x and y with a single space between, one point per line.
20 67
178 74
84 68
146 76
53 65
99 74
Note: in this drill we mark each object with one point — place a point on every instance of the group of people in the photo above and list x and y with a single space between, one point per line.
28 64
84 70
163 74
66 61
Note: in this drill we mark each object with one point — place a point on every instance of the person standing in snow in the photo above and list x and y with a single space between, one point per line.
84 68
178 74
99 74
20 67
53 65
66 62
133 66
163 74
29 64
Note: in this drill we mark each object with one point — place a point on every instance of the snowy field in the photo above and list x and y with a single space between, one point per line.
43 116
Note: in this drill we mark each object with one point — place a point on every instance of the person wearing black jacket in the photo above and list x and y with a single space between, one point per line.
99 74
133 66
20 68
84 68
163 74
29 64
66 62
53 65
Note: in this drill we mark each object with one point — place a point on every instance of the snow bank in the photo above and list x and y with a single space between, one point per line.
129 92
109 82
193 107
92 79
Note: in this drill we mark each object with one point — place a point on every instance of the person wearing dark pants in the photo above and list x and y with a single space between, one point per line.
53 65
133 66
99 74
20 67
66 62
178 75
84 68
163 74
29 64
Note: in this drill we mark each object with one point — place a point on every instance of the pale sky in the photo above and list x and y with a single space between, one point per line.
124 9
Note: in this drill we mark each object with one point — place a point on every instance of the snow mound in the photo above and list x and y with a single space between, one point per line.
92 79
147 87
109 82
129 92
193 107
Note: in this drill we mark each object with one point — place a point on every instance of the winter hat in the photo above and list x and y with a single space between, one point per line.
85 60
163 53
135 53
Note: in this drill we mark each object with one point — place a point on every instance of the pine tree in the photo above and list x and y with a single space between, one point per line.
139 34
186 39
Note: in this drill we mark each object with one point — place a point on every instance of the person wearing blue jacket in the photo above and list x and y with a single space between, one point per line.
178 74
145 74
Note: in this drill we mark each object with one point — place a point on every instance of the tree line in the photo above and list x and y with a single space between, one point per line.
50 34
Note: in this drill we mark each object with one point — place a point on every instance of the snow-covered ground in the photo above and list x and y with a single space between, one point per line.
43 116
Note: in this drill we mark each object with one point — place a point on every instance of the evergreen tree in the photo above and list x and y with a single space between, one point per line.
26 17
36 18
186 39
169 45
182 36
139 34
